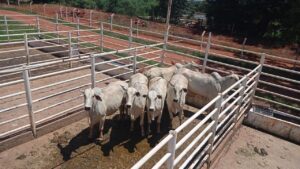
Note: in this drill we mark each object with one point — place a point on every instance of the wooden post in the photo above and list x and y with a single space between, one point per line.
56 27
66 13
215 118
44 7
29 100
38 26
18 1
6 27
164 46
8 3
60 10
78 30
101 36
26 49
30 5
73 15
91 12
111 21
172 149
206 53
202 37
93 74
168 13
70 48
130 34
243 47
137 28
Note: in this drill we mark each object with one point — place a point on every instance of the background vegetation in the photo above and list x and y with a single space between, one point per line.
270 22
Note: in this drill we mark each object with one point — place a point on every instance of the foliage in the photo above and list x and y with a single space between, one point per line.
272 20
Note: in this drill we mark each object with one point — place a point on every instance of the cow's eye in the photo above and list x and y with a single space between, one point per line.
137 94
184 90
145 95
98 98
159 96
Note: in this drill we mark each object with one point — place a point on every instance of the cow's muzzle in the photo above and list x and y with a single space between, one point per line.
87 108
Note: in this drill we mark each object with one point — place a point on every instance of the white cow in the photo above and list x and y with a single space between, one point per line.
177 90
104 102
156 99
136 96
207 85
168 72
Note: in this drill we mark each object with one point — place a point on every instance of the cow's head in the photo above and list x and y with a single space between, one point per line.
88 96
154 102
179 93
131 95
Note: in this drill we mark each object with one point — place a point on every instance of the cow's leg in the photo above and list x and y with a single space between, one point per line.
101 127
149 121
181 116
131 124
158 122
142 123
170 109
91 129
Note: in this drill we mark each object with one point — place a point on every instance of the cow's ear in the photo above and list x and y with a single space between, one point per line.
124 87
184 90
145 95
98 97
138 94
159 96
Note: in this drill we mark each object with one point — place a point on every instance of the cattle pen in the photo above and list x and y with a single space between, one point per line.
45 64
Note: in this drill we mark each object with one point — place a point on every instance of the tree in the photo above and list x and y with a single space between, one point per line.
179 8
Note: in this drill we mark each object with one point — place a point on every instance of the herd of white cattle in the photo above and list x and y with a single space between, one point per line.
149 90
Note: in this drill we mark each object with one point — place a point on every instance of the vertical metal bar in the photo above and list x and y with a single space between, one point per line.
206 53
93 74
73 15
91 18
241 94
171 149
134 61
60 10
202 36
111 21
261 63
101 36
8 3
164 46
26 49
29 100
70 48
168 14
215 118
57 28
6 27
30 5
38 26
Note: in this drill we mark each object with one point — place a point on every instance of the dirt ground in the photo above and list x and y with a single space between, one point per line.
253 149
69 146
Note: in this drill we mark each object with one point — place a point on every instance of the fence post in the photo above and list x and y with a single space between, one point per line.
66 13
26 48
30 5
101 36
8 3
137 28
70 48
134 61
171 149
91 12
38 26
241 95
164 46
60 11
130 34
111 21
6 27
78 28
202 36
243 47
261 63
206 53
56 27
44 8
215 118
29 99
93 77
